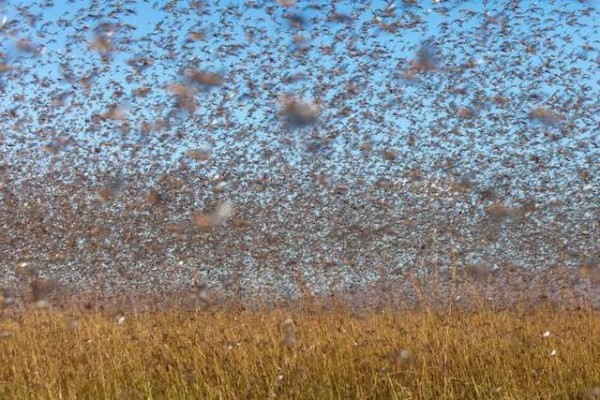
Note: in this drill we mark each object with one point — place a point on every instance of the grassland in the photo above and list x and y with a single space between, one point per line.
303 352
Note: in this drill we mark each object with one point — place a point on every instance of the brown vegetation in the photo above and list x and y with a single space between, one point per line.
303 352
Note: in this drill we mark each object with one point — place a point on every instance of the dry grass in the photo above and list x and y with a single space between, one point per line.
308 353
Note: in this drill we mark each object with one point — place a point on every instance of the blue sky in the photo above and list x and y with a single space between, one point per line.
348 58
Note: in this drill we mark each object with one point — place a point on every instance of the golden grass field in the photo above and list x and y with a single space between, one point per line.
307 352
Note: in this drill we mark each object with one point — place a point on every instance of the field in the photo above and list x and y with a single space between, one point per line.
311 351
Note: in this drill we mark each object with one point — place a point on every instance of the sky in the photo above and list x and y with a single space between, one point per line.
486 66
423 107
